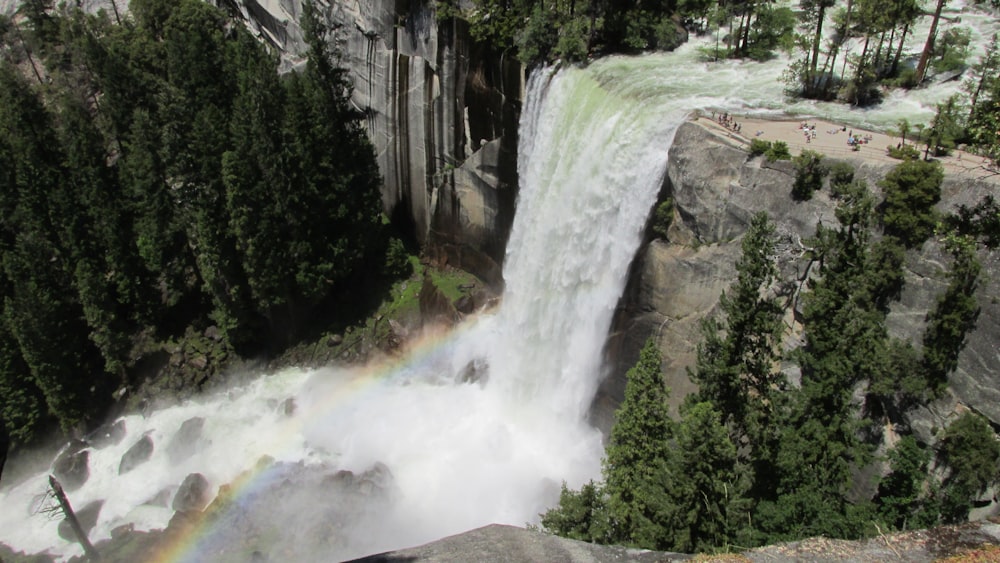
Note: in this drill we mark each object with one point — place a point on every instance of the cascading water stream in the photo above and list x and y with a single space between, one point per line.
592 157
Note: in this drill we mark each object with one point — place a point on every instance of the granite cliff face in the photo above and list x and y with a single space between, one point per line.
441 109
675 283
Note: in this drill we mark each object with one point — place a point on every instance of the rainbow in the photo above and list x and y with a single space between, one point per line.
194 538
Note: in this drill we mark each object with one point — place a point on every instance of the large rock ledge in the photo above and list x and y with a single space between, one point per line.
676 282
509 544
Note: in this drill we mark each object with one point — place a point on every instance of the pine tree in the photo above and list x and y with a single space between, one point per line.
638 457
911 190
971 450
954 315
901 498
735 367
707 483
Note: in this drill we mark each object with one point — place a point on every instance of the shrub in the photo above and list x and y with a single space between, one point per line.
911 190
663 217
905 152
778 151
759 147
809 175
841 176
397 261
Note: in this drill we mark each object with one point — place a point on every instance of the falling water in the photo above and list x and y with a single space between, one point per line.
461 454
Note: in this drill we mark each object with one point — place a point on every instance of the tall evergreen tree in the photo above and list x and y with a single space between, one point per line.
954 315
707 484
735 367
638 458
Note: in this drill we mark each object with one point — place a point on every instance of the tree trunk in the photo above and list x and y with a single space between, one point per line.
983 77
118 18
888 48
729 40
815 46
899 51
925 56
864 52
67 511
739 35
751 10
847 30
27 52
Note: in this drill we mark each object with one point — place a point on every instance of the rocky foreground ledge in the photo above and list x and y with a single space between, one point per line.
971 542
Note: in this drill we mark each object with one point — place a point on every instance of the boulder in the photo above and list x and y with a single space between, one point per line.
193 495
71 467
186 441
86 516
107 435
139 453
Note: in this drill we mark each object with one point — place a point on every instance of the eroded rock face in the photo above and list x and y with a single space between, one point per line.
441 111
675 283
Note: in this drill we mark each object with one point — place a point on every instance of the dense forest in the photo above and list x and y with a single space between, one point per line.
756 458
820 37
156 173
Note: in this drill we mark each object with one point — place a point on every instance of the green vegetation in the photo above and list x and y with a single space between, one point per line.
981 222
904 152
911 191
772 150
663 217
162 176
574 31
970 449
809 174
954 315
759 147
778 151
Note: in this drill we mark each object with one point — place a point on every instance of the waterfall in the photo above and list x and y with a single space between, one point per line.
591 164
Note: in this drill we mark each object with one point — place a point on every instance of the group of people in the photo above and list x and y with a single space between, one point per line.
808 130
727 121
856 142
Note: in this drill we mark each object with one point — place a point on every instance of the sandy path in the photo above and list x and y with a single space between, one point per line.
831 141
